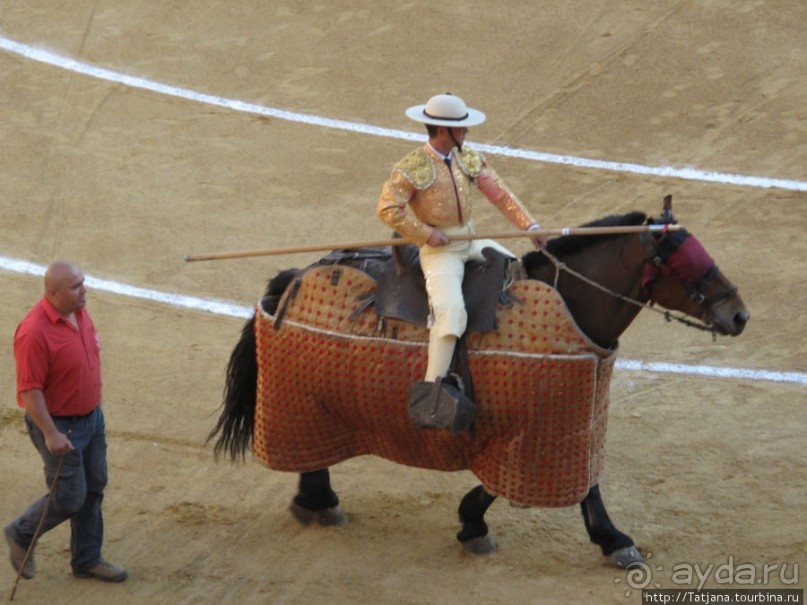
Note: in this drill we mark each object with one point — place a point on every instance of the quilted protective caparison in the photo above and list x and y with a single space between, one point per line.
331 387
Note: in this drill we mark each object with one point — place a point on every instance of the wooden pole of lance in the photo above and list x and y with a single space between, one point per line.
400 241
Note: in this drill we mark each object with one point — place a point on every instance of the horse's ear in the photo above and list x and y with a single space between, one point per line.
666 213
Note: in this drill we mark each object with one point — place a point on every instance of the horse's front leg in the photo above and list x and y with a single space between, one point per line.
615 545
474 535
316 502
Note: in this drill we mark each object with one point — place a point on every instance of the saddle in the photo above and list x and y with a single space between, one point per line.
402 292
401 289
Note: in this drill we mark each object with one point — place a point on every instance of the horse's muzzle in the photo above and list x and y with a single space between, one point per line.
730 324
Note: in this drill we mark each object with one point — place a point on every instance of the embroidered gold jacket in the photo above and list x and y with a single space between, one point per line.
422 193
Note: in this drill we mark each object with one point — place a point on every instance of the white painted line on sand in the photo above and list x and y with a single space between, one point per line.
737 373
216 307
691 174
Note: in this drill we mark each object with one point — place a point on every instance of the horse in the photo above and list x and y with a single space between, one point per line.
604 281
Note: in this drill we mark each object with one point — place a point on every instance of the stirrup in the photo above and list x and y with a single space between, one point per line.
441 405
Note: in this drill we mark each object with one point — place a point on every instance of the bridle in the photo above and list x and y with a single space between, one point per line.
681 256
667 260
709 302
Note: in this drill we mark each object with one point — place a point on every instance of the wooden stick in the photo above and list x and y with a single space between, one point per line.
400 241
30 550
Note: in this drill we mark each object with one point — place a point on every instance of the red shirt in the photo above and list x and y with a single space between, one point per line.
58 359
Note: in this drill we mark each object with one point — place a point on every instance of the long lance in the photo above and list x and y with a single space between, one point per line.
400 241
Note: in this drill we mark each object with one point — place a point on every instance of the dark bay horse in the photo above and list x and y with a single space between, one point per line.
605 282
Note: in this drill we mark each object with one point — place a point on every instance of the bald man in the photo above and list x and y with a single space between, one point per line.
59 386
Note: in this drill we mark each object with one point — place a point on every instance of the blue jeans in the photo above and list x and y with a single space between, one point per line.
79 490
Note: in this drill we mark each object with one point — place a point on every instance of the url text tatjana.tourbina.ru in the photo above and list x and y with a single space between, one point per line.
731 596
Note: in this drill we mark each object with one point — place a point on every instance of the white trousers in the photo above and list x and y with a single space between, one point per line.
444 269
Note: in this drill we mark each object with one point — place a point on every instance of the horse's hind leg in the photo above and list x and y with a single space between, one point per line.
615 545
474 535
316 502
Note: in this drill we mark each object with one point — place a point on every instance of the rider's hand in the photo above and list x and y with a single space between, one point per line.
539 241
437 238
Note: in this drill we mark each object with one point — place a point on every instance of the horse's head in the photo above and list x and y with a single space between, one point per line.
680 275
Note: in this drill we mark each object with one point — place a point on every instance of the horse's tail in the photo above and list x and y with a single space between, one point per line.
237 420
236 424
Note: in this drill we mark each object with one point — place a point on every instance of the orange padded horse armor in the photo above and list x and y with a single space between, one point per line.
331 387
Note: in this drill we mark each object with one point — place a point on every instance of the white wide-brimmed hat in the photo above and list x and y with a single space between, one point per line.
446 110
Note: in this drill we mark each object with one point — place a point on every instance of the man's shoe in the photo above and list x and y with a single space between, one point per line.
17 554
104 571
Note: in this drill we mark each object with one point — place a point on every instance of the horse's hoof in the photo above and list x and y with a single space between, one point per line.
328 517
483 545
627 557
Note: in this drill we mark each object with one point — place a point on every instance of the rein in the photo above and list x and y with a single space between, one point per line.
668 315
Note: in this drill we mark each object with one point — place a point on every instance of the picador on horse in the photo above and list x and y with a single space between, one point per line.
451 354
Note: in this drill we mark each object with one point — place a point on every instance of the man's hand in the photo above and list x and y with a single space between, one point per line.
539 241
58 444
437 238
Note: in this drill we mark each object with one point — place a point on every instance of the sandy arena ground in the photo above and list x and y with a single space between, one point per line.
701 471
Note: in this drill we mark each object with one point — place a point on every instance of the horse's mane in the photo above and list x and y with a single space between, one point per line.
569 245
